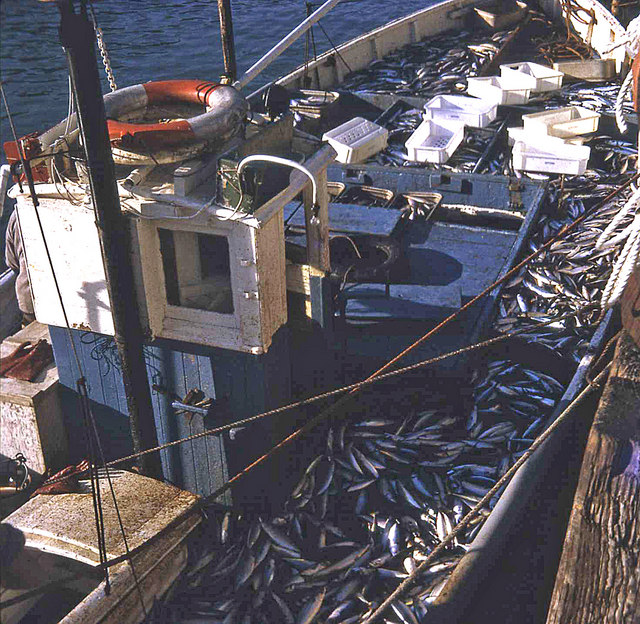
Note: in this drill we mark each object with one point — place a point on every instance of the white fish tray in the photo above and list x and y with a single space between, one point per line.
537 77
568 159
499 90
434 142
592 70
468 110
537 139
356 140
498 19
563 122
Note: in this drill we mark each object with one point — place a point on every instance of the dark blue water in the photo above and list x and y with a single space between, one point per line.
161 39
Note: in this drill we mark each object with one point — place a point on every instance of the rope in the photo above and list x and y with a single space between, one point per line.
322 415
378 376
627 259
464 523
434 553
625 88
102 47
623 267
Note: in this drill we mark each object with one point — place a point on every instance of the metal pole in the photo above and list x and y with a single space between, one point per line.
228 44
78 40
280 47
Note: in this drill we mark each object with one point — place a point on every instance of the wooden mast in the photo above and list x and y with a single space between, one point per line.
228 44
78 40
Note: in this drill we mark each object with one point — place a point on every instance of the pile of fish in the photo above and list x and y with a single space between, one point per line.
430 67
569 277
388 486
365 513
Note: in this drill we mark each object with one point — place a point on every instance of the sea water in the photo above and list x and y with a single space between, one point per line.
161 40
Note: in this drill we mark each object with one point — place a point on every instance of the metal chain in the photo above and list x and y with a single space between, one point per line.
103 50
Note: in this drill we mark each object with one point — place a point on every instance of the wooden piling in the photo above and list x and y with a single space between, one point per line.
598 578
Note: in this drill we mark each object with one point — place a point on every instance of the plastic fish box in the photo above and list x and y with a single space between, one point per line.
495 17
434 142
499 90
563 122
538 139
592 70
356 140
568 159
538 77
468 110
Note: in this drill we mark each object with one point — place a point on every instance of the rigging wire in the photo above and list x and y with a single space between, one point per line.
361 384
464 523
84 404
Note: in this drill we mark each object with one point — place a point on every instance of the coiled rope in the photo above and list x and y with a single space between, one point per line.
628 257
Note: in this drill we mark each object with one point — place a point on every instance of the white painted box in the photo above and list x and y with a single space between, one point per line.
461 108
564 122
31 418
208 281
434 142
537 77
356 140
499 90
567 159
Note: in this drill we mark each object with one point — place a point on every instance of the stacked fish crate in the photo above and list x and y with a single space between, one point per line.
550 141
442 130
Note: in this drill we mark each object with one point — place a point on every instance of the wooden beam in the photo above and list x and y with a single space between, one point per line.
599 575
228 44
630 307
316 219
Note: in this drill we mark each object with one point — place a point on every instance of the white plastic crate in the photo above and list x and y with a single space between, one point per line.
538 139
356 140
537 77
499 90
434 142
568 159
468 110
563 122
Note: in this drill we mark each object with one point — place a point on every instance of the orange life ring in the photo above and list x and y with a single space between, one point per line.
226 109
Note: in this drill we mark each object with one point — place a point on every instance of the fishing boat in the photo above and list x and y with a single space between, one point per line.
256 289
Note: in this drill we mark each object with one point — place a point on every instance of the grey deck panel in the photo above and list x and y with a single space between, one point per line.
350 219
442 254
402 301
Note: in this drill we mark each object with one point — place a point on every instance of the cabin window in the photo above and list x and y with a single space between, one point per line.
197 271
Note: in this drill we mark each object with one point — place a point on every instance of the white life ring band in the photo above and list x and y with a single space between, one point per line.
226 111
